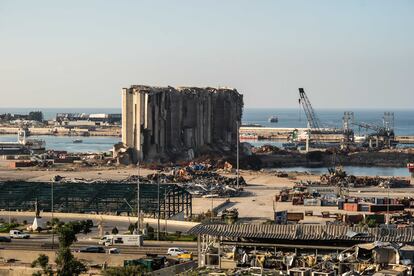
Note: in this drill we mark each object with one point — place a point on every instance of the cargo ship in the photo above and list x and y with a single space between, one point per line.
273 119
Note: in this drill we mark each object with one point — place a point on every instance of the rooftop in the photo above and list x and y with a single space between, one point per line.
306 232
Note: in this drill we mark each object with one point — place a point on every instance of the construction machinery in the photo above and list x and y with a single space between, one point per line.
382 136
313 120
314 125
348 133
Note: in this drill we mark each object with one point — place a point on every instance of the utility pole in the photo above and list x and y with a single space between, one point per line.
8 207
165 216
388 205
138 201
158 199
237 153
52 209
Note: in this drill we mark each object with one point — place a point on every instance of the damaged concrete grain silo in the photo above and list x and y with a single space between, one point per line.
179 123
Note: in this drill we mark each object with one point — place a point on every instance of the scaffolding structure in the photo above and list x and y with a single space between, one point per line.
98 198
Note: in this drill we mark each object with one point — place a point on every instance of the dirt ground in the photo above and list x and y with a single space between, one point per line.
257 202
29 174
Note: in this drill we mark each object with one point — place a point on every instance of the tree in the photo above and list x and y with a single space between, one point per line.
43 262
132 227
67 264
151 232
115 231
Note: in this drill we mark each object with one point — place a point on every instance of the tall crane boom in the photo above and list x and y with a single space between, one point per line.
313 120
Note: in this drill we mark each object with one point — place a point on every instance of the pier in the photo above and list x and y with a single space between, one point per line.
283 134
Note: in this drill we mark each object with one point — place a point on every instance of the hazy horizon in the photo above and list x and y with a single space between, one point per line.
346 54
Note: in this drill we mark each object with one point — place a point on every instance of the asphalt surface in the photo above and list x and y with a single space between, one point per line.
44 243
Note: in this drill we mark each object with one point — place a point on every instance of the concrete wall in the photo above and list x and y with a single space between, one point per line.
73 216
169 123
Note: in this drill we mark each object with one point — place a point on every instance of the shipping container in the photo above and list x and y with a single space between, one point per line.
341 203
329 202
351 200
386 207
296 216
21 164
351 207
312 202
379 218
364 207
281 217
353 219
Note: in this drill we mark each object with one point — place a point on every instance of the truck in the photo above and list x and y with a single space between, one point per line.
17 234
108 240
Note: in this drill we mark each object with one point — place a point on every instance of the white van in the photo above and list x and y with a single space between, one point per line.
17 234
122 240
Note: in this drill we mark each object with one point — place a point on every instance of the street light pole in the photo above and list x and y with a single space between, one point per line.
138 201
158 216
237 153
8 206
388 205
52 210
165 216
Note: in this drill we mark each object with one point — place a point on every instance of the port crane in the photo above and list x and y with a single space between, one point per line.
383 136
315 125
313 120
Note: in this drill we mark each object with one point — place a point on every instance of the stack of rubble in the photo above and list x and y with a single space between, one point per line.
197 178
269 149
376 258
338 177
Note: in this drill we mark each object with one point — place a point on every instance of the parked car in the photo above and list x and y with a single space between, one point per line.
92 249
114 251
4 239
175 251
17 234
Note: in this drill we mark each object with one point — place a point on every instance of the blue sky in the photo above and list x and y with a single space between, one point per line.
81 53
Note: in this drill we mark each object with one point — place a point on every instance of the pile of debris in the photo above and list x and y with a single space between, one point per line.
269 149
338 177
230 216
197 182
196 178
377 258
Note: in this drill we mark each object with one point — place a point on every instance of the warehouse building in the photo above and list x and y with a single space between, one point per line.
229 246
97 198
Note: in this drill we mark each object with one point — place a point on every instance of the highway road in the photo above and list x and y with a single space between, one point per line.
43 243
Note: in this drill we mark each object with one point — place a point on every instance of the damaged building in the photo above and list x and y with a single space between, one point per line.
179 123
